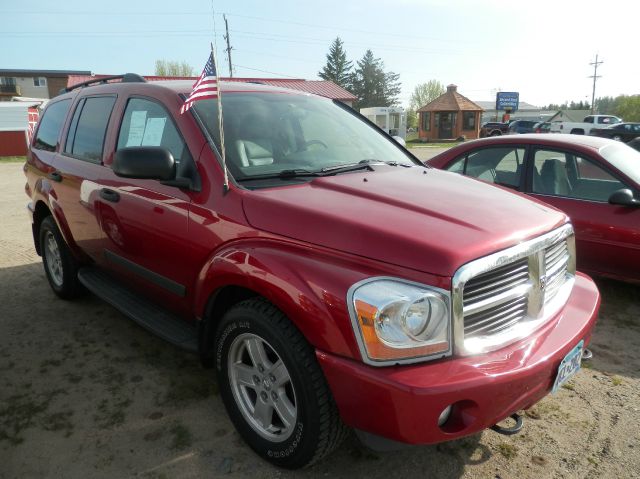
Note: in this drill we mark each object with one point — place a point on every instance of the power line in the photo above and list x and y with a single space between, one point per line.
265 71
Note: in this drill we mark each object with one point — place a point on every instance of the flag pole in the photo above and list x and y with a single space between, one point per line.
221 123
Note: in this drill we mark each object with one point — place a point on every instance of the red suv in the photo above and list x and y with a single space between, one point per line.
335 281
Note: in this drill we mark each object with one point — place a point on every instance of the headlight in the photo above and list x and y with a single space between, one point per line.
397 321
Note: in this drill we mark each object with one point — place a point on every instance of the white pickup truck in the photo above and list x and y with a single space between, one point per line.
583 128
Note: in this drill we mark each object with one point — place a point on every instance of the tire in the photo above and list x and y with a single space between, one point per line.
577 131
60 267
273 388
496 133
617 138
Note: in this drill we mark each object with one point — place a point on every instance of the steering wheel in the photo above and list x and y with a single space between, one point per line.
309 143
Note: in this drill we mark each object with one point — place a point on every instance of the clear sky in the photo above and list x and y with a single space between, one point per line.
539 48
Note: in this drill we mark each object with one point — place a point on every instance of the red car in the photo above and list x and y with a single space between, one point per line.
595 181
327 282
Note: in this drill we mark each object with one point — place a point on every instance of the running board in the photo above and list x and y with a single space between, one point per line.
148 315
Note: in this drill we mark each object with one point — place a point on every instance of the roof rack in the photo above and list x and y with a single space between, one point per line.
126 78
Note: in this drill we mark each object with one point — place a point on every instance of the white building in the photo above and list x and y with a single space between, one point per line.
391 119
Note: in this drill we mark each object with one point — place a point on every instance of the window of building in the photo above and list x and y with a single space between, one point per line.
426 120
469 120
50 125
88 127
39 81
8 81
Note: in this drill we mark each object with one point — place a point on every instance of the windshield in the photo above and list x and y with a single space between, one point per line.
624 158
270 133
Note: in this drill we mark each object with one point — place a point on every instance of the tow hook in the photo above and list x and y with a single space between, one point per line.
509 431
587 354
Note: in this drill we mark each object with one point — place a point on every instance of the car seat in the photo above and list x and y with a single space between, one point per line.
554 179
256 147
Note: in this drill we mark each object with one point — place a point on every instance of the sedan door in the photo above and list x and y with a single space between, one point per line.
607 236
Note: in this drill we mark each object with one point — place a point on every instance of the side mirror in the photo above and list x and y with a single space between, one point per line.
145 163
623 197
400 140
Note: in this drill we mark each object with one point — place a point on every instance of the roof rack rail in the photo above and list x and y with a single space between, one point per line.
126 78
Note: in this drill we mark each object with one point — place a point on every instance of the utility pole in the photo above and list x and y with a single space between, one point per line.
595 76
228 50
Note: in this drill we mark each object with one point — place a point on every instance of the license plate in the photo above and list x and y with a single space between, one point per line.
569 366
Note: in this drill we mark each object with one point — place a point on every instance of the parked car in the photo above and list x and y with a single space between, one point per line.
327 282
522 126
494 128
595 181
584 127
620 131
542 127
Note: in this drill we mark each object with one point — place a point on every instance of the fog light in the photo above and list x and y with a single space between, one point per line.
444 415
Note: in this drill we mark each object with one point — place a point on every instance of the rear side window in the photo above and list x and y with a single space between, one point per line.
50 125
88 128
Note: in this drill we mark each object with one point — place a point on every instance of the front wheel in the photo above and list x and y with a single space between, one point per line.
273 387
617 138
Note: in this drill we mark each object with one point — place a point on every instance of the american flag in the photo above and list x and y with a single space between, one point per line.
206 86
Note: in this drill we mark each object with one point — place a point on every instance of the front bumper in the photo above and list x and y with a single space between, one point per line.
403 403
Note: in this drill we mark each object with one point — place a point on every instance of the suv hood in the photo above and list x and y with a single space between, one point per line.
424 219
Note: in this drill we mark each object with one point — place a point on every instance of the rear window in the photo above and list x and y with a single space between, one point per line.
50 125
624 158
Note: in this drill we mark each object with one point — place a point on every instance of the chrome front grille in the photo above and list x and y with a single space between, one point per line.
504 296
496 300
556 259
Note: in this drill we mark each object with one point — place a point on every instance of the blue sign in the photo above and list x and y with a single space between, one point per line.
507 99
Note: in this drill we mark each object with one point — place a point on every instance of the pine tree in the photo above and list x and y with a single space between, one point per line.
337 69
372 85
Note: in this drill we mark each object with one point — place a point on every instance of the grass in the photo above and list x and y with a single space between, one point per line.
13 159
617 381
507 450
419 144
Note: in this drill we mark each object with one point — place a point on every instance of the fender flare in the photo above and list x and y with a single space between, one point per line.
315 301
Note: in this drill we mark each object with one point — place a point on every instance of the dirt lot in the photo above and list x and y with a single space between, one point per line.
86 393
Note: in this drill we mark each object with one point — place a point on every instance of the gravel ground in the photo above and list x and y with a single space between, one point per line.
85 393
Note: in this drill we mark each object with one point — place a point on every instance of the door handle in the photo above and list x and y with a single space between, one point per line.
55 176
109 195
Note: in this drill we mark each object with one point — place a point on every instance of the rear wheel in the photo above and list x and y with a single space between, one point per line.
273 388
60 266
617 138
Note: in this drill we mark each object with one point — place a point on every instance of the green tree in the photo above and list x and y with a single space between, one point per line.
605 105
627 107
423 94
169 68
372 85
337 68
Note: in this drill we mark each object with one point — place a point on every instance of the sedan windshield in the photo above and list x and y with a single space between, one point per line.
624 158
284 135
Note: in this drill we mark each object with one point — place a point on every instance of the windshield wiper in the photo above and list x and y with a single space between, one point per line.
284 175
361 165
